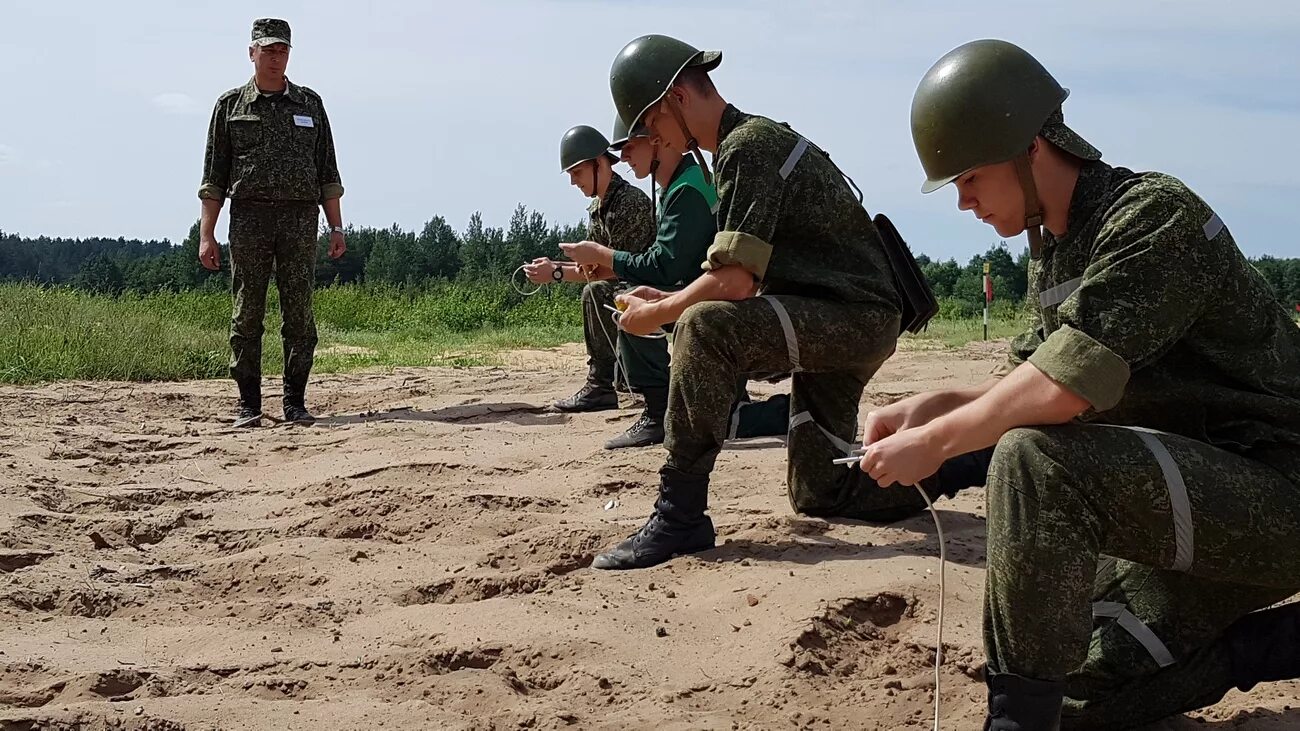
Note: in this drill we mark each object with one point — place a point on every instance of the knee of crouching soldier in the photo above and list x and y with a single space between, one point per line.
1019 461
703 322
599 288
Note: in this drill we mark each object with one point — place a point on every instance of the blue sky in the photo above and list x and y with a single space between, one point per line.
447 108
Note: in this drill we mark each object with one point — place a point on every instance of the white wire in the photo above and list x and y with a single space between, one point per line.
517 287
943 561
601 320
854 458
615 314
618 365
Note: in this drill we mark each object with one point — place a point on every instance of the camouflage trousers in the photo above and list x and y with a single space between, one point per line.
1117 558
831 348
266 239
599 332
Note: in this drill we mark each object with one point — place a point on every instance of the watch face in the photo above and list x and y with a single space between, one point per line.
557 274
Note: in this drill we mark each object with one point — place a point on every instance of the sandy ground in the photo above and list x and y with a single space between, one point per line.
420 559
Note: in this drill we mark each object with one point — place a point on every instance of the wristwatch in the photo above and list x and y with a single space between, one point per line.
337 230
557 273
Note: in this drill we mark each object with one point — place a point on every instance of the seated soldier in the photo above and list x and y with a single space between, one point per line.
620 217
686 228
797 280
1144 484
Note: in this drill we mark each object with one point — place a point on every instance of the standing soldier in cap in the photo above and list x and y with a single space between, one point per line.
1144 488
792 231
685 229
271 152
621 217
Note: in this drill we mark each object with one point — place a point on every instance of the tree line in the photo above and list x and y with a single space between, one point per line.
439 253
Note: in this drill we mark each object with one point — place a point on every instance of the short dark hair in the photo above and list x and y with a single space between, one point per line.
698 81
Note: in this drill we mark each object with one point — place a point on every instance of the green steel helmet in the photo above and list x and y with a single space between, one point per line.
982 103
621 136
581 144
647 67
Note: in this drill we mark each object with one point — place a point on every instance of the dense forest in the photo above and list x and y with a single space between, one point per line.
440 253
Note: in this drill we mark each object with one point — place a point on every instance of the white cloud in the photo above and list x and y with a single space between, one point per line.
178 104
8 155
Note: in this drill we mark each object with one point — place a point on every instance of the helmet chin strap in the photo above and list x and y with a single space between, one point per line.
654 184
691 143
1033 208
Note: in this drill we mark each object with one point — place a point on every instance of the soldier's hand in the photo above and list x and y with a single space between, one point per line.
601 272
639 317
886 421
540 271
210 253
648 294
585 252
338 245
904 458
909 413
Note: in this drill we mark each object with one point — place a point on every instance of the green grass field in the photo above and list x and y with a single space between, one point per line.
49 334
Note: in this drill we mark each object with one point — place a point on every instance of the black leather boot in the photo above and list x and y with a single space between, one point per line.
249 413
768 418
863 499
648 430
1265 646
678 525
1023 704
295 403
590 397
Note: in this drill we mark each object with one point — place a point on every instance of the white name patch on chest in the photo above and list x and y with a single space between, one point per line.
302 121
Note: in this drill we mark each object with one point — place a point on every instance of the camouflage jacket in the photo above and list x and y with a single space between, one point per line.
1147 309
623 218
276 148
787 215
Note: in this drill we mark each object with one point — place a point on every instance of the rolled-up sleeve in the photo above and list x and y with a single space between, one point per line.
749 205
1080 363
216 158
327 166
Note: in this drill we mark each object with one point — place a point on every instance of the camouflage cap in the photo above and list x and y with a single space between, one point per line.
267 31
1055 132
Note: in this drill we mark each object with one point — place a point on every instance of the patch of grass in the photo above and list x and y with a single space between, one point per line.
48 334
956 333
56 333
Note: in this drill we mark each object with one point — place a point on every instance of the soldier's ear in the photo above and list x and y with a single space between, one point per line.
251 50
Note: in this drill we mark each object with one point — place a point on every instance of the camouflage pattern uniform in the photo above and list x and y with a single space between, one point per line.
273 157
623 220
1186 470
827 310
